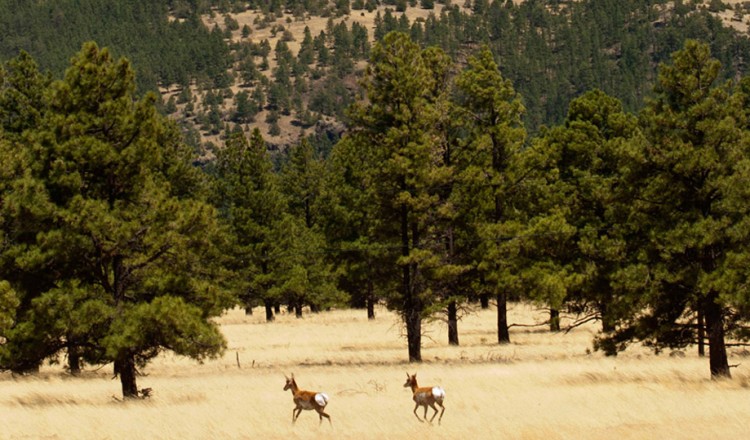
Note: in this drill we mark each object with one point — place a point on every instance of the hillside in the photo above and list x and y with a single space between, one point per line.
552 51
256 27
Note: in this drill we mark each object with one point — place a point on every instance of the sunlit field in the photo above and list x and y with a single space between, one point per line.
541 386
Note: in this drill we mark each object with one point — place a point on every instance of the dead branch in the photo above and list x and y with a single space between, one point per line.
529 325
579 322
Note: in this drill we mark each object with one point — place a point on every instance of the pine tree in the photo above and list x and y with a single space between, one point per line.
250 202
492 115
133 244
582 243
348 206
397 122
302 249
690 209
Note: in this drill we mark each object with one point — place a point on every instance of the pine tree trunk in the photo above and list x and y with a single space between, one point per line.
413 320
370 301
298 309
249 310
503 336
269 311
484 301
74 360
277 308
701 334
717 350
452 323
125 368
554 320
607 325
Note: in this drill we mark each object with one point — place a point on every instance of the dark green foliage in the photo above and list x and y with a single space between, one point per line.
163 51
490 174
131 257
8 305
250 203
394 130
581 206
329 97
690 209
304 272
244 109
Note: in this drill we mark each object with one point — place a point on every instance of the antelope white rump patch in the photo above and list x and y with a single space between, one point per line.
438 393
321 399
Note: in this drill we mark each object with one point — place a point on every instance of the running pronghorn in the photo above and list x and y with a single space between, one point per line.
425 396
306 400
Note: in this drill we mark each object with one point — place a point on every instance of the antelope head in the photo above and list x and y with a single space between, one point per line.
289 382
411 380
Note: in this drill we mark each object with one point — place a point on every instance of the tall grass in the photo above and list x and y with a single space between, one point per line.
541 386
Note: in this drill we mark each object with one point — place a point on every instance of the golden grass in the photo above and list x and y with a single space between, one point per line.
542 386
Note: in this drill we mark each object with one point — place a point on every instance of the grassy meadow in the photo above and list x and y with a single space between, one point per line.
541 386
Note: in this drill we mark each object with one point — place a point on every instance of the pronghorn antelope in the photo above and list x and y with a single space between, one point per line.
425 396
306 400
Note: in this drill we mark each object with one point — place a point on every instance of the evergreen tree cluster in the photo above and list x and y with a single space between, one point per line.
437 197
164 51
554 51
635 220
110 249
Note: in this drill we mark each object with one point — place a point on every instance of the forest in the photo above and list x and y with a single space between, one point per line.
118 246
279 71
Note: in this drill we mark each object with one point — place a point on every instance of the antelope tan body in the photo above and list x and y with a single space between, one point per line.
307 400
426 397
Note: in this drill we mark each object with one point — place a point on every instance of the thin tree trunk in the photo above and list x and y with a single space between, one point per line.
412 310
503 336
277 308
125 368
554 320
298 309
249 310
607 325
269 311
370 300
701 334
452 323
74 360
414 335
717 350
484 300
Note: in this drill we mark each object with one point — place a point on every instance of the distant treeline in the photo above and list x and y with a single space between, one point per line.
553 51
163 51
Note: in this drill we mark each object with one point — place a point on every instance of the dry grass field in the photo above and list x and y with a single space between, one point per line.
542 386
